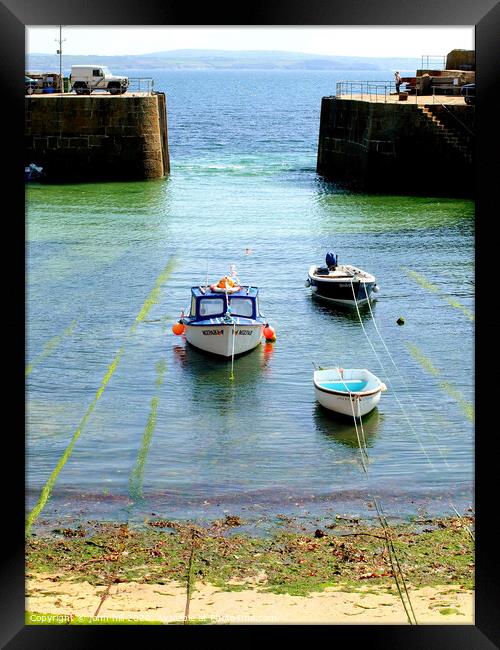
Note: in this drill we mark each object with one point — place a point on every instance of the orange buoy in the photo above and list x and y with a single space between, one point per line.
178 328
270 333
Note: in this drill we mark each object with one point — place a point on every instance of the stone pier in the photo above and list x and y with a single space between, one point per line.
421 146
98 137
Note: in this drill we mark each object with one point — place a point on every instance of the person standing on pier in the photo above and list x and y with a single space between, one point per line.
397 80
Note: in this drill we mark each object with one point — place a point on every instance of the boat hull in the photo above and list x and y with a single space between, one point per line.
342 290
347 404
218 339
352 392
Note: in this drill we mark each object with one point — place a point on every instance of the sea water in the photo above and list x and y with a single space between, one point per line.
160 427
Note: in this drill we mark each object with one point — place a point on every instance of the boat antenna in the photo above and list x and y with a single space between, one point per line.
206 278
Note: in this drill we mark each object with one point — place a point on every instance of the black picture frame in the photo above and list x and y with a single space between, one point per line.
485 15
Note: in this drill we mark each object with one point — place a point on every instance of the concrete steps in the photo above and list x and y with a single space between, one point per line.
449 135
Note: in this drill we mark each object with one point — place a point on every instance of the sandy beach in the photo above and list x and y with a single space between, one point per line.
165 603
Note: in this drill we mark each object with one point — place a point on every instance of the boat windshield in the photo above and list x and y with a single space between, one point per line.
211 306
241 307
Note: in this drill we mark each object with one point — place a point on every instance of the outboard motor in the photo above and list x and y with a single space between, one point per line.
331 261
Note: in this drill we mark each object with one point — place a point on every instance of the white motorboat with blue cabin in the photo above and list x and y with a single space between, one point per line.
349 391
224 319
341 284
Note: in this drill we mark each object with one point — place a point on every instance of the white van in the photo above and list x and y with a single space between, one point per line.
86 78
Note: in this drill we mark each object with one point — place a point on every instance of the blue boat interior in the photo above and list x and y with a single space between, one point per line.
347 386
207 305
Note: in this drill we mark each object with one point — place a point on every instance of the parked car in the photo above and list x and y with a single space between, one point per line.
29 85
86 78
468 92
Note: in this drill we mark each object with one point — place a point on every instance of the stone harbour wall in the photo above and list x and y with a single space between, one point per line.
397 148
97 137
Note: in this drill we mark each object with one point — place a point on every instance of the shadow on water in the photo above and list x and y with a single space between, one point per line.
325 186
340 429
206 382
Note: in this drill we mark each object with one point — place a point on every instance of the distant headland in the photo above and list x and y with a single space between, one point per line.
226 60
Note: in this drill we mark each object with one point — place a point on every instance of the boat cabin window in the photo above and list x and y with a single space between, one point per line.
192 309
211 306
241 307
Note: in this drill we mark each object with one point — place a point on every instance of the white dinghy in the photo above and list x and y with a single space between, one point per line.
349 391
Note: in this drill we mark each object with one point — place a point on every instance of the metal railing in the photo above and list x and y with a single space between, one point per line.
373 91
141 85
136 85
433 62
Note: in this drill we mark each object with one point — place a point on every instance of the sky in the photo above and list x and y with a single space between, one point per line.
393 41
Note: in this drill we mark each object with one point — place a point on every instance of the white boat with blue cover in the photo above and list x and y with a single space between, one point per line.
224 322
349 391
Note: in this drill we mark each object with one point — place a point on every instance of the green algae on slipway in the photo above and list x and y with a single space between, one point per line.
351 557
151 300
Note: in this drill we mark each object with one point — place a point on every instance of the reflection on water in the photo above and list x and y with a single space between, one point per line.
206 377
199 363
327 308
340 429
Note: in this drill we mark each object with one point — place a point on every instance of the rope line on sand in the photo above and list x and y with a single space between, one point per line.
145 309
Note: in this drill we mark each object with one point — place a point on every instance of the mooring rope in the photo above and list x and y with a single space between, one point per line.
189 586
404 382
465 525
382 519
385 526
387 379
231 377
390 546
361 425
356 398
392 553
411 398
362 449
